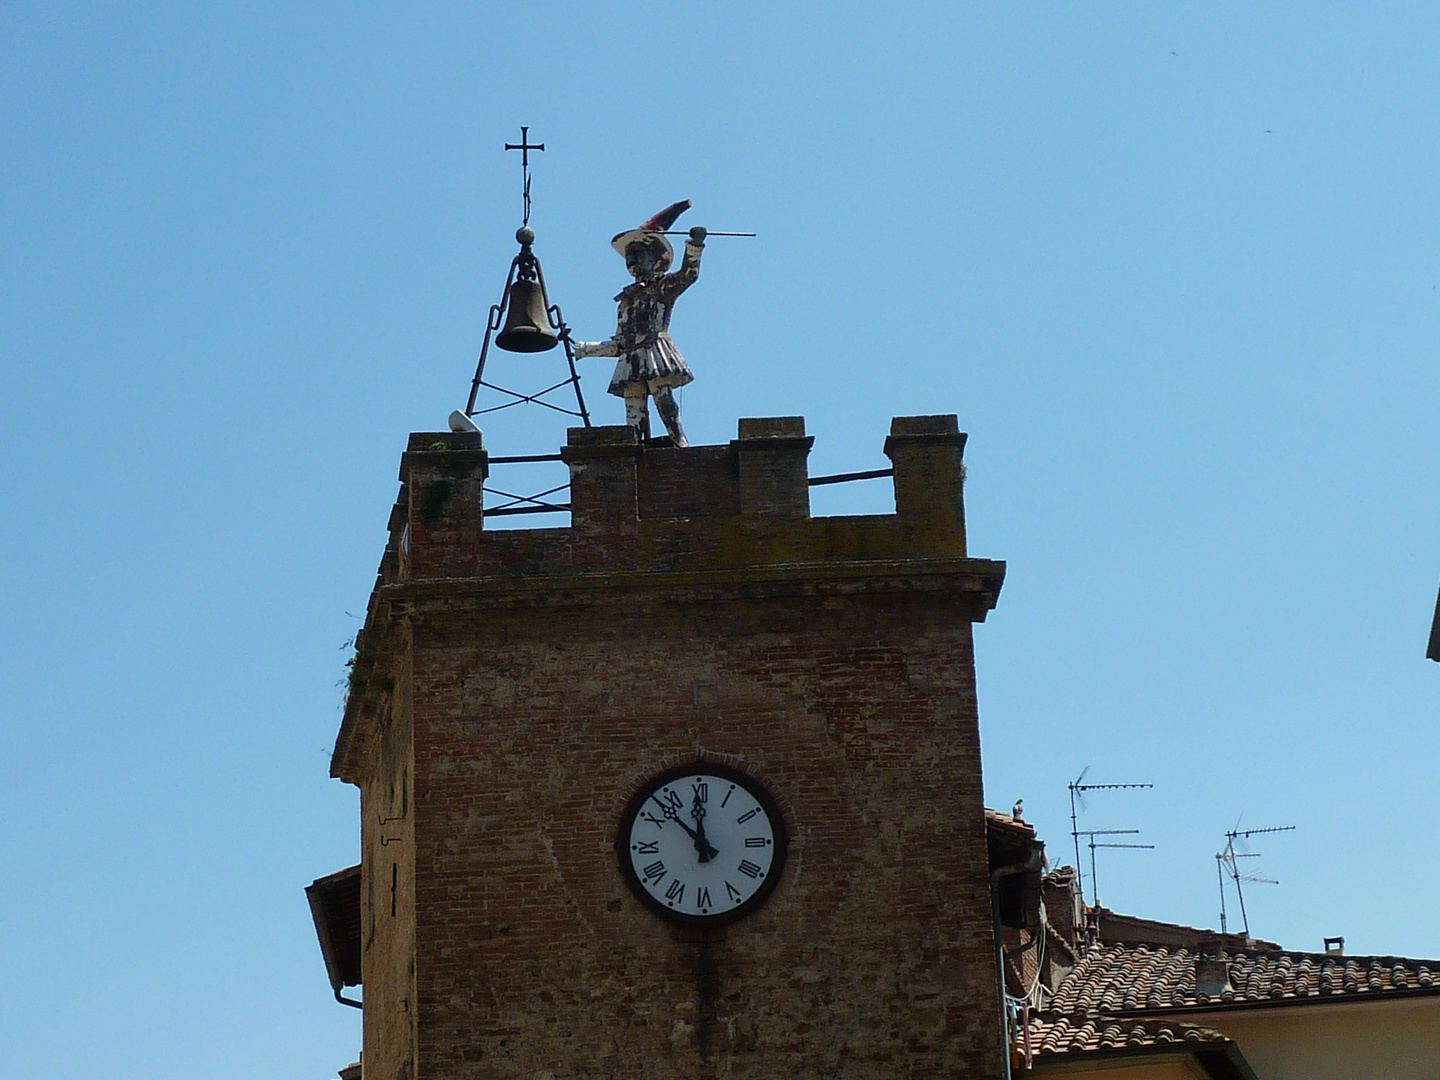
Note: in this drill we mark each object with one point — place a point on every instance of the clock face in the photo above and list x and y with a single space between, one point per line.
702 844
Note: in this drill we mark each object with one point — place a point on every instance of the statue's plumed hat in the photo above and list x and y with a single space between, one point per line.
652 232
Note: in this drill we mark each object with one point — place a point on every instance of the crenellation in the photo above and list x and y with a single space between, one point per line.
928 455
444 475
774 480
698 481
636 507
604 492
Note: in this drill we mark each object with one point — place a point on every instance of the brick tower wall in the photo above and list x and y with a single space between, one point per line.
535 678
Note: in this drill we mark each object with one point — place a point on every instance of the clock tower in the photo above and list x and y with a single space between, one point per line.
688 788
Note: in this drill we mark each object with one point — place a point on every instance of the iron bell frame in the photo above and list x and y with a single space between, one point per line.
525 267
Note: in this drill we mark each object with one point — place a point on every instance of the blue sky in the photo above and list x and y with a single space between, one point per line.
1177 269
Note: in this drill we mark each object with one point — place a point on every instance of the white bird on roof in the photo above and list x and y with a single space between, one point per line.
1018 809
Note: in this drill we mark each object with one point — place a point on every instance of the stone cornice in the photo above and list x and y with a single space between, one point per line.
979 578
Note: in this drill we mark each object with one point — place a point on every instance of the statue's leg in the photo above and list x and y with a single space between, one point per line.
637 411
669 410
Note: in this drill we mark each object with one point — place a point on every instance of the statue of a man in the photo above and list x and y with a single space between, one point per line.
649 364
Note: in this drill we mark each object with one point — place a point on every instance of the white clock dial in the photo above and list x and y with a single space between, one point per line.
702 844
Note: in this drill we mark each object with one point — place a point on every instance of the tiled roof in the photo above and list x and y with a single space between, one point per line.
335 907
1056 1033
1116 978
1006 821
1112 928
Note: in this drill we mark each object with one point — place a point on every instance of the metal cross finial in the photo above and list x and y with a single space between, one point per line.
525 146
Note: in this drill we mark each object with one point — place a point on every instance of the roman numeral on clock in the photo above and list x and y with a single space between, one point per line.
648 847
702 898
755 841
747 815
654 872
749 869
731 891
676 892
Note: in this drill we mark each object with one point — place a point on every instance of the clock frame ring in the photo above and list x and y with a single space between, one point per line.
756 883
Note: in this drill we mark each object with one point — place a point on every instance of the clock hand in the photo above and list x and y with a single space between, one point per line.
703 846
707 852
670 813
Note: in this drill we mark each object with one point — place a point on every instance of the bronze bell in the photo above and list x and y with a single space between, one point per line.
527 326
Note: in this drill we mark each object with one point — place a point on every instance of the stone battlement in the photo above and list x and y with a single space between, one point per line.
635 507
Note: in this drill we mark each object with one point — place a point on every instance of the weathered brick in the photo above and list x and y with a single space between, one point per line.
514 688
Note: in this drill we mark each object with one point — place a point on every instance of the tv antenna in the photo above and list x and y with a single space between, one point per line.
1078 788
1093 844
1227 861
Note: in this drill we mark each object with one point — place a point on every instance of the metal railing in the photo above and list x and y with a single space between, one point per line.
845 477
515 506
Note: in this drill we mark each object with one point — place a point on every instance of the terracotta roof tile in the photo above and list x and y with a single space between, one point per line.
1059 1033
1110 979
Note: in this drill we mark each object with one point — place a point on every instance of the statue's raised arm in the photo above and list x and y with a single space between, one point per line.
676 283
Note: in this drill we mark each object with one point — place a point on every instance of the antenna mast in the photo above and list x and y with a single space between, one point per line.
1094 878
1227 862
1078 787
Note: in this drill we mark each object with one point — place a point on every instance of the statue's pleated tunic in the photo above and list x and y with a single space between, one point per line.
649 361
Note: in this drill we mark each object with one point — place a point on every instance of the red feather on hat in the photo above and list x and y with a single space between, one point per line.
665 218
